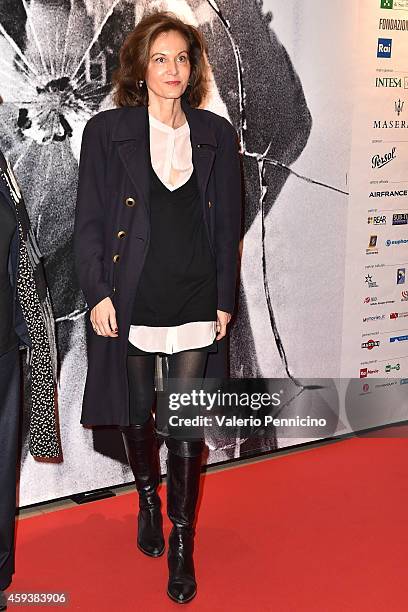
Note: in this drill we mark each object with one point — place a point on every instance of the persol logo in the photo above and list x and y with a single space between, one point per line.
378 161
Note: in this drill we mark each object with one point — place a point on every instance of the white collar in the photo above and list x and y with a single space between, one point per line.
167 128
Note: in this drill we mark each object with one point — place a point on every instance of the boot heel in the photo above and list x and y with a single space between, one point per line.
150 538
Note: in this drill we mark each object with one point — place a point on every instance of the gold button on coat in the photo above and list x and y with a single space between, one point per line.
130 202
121 234
116 258
209 204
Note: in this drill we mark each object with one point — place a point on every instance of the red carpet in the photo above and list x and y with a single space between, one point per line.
322 530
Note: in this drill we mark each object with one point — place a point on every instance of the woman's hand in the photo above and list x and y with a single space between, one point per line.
103 319
223 318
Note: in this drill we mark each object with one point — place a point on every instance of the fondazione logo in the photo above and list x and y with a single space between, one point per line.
393 24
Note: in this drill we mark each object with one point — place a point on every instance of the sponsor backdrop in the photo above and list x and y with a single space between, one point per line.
317 94
375 328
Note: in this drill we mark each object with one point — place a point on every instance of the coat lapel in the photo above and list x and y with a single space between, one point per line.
132 134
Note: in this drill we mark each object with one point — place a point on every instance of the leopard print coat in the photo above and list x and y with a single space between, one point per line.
34 299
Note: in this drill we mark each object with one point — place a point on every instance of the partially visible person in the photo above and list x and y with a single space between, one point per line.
26 322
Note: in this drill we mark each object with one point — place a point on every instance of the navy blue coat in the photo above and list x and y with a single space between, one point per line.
113 197
20 325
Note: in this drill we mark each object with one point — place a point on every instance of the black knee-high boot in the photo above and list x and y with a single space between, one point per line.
142 451
183 480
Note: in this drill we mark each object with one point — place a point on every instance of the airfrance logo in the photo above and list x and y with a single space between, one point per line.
388 194
398 338
384 48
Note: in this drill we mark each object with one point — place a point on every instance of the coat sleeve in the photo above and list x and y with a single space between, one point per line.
89 213
227 215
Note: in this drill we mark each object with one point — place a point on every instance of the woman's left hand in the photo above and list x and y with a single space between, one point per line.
223 318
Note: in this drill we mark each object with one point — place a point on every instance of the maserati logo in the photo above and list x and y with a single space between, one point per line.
399 107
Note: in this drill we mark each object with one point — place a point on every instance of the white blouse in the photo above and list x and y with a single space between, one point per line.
171 157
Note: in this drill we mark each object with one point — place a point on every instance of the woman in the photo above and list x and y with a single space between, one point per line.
26 321
156 240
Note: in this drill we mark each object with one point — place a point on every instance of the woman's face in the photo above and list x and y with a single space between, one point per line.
169 66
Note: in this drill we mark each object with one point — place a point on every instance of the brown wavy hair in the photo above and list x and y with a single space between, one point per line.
134 59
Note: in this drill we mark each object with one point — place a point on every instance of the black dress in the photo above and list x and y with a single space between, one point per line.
178 282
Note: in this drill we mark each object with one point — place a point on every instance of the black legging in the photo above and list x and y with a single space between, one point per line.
141 373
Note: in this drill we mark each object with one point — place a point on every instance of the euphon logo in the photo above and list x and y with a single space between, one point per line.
387 4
